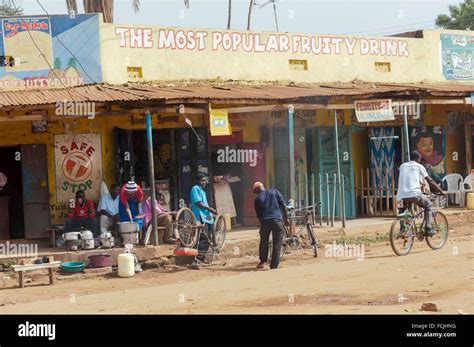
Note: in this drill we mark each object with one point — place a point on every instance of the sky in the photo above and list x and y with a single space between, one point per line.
368 18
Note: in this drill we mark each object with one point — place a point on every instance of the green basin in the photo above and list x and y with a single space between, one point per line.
72 266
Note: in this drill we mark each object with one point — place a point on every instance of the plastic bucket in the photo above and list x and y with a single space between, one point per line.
99 260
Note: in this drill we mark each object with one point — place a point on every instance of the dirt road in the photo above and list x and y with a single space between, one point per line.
380 283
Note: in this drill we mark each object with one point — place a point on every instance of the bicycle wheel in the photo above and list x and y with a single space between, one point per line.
219 232
401 237
440 226
185 221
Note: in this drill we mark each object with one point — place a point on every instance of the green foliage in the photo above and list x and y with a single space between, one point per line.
8 10
57 63
461 17
72 63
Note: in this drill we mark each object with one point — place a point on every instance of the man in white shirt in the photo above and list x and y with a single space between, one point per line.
109 208
409 187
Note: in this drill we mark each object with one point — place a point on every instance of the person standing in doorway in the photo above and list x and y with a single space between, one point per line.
271 212
203 213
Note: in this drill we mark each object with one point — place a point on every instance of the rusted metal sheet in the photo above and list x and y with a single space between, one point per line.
220 92
34 171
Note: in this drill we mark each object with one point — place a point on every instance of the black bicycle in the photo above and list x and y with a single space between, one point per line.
411 224
190 235
304 236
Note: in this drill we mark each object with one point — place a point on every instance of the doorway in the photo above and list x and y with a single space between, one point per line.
26 194
178 156
11 195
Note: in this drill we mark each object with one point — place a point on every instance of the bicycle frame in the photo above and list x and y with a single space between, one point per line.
418 229
211 241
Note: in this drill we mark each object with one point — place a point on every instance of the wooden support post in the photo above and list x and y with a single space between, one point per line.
394 198
387 191
51 276
368 193
21 279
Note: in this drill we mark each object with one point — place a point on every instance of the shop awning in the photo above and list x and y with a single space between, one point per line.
223 92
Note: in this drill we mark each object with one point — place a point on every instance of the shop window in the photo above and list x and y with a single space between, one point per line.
135 72
383 67
296 64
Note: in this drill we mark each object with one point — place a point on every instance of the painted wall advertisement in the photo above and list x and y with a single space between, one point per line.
457 57
50 51
78 160
431 143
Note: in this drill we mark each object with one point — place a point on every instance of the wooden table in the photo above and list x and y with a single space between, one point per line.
21 269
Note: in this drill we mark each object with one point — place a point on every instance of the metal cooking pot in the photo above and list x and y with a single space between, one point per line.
88 244
128 227
130 238
107 242
72 236
87 235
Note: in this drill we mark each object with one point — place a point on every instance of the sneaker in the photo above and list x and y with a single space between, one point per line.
430 232
261 265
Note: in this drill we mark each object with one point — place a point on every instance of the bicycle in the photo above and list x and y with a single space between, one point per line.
305 233
191 234
182 223
408 226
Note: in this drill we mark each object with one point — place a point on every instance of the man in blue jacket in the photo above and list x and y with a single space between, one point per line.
271 212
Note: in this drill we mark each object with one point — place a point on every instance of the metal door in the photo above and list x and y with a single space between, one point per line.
280 160
327 163
34 173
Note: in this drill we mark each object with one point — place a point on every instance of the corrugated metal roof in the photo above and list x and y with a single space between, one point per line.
212 91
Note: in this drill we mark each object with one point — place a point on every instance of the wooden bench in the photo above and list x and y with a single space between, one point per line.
21 269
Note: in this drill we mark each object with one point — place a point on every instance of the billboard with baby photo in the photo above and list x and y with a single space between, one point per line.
430 141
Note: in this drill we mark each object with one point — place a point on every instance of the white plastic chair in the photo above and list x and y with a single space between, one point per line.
467 187
454 186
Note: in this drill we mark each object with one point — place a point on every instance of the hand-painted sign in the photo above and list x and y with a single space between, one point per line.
457 57
374 110
219 122
67 46
78 160
256 42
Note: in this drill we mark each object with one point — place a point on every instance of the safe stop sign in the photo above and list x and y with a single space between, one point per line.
78 166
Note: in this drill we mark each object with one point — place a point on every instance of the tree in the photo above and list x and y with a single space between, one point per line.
461 17
106 7
7 9
250 14
229 14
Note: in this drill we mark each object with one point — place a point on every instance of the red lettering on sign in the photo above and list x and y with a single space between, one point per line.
64 150
74 146
83 146
90 151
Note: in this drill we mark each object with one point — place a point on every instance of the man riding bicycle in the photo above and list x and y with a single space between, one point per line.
409 187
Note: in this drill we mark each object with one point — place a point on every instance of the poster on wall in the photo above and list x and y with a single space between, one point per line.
431 143
17 42
78 162
457 57
374 110
69 47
